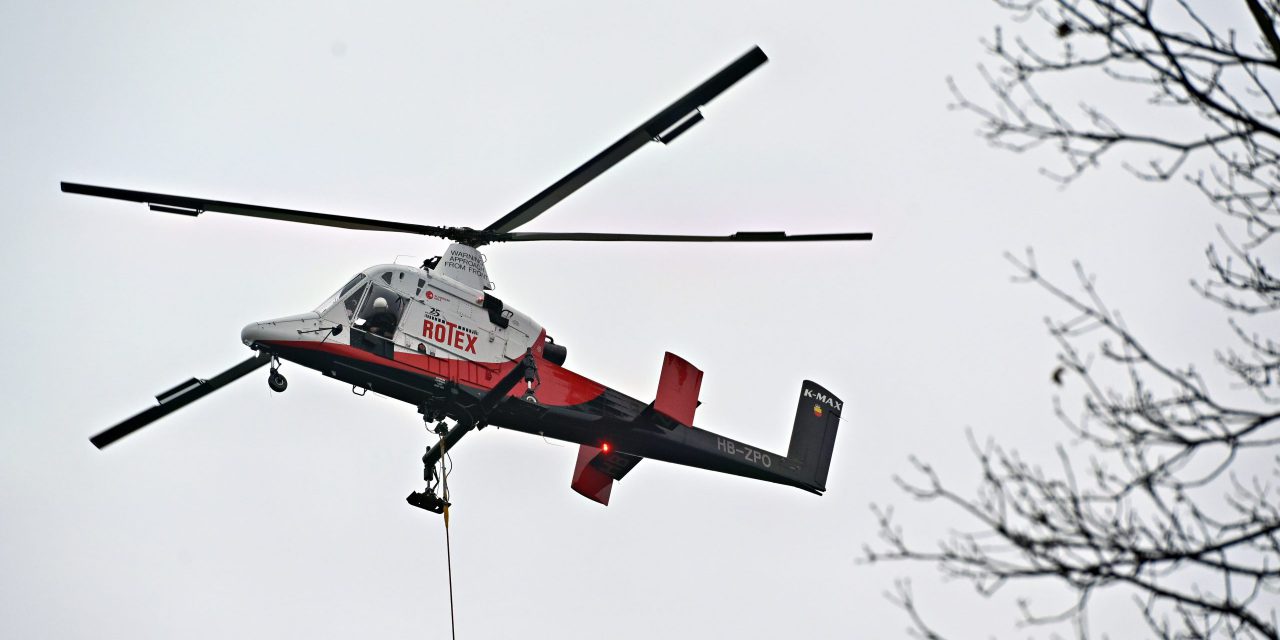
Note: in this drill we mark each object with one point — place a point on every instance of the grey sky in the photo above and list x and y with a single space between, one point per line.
262 515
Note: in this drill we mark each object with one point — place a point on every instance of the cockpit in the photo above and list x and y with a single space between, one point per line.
372 304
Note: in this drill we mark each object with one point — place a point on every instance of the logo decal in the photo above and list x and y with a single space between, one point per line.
823 398
817 411
450 334
430 294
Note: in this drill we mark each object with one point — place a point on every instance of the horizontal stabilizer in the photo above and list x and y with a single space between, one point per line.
596 469
678 388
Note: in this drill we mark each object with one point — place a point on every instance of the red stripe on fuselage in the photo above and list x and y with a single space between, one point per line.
556 385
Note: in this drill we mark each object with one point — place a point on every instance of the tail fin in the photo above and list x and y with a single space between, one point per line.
814 434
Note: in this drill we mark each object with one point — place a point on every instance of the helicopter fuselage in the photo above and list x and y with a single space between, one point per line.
435 337
420 336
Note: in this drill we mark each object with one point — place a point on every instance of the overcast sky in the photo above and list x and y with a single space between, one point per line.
254 514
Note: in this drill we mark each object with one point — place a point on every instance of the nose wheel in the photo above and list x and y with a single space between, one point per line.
275 380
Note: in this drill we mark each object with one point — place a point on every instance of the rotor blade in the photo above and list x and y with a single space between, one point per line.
741 236
650 130
195 206
177 398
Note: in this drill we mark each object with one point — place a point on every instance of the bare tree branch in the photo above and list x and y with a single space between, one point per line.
1170 491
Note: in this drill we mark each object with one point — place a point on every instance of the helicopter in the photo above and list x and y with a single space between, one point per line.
435 337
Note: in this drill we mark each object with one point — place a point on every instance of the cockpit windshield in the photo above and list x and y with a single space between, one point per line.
342 293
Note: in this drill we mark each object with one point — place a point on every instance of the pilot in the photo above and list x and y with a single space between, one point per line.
381 322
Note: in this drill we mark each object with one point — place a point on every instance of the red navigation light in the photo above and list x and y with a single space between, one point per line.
605 447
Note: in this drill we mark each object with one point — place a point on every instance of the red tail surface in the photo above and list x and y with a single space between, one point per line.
678 388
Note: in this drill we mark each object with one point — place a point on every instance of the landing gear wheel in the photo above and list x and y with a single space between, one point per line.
277 382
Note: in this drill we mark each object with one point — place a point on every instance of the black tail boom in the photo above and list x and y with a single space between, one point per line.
805 466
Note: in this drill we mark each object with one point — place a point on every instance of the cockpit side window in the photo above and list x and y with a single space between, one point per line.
346 288
351 294
352 301
333 299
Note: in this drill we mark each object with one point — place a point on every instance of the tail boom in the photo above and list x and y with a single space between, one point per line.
805 466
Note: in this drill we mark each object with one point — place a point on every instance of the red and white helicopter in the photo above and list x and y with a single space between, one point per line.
434 337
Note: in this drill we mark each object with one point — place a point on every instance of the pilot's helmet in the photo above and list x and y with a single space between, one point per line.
380 304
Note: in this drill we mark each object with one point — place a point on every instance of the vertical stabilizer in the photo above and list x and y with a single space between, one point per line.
597 468
678 388
813 435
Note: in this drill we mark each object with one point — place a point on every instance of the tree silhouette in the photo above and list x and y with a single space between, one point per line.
1170 493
